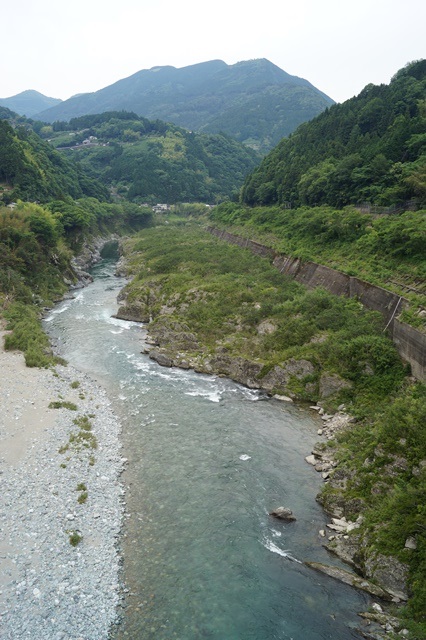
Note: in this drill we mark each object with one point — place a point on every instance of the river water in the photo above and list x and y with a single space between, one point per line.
207 460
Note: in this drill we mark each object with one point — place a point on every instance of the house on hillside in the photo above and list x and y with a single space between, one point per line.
160 208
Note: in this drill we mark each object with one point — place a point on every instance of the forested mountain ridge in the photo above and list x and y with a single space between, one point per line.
28 103
253 101
370 148
152 161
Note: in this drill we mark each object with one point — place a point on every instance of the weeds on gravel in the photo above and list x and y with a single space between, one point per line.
84 493
75 538
63 404
83 438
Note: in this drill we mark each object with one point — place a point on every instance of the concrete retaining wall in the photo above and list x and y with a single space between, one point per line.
410 342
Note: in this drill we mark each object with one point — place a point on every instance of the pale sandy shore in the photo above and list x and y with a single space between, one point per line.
50 589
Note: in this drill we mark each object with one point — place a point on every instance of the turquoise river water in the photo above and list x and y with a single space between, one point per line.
207 460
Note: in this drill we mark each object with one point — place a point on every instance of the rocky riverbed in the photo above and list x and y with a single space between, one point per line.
61 504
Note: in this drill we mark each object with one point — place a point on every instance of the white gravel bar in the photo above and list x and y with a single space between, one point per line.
49 589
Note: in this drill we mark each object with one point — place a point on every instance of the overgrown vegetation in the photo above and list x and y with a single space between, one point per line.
36 244
27 335
384 458
387 250
222 294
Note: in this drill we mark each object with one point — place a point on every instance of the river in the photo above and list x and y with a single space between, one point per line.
207 460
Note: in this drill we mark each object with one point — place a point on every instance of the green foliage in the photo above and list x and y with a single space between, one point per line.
37 172
385 460
27 335
75 538
151 161
370 148
382 249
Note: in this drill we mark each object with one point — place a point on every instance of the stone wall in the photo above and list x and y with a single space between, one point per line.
410 342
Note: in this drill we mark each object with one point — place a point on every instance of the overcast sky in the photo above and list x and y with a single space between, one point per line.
64 47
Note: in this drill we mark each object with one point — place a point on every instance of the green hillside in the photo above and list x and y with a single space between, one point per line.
151 161
254 101
370 148
30 169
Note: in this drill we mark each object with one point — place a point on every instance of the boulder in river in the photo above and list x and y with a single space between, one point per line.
282 513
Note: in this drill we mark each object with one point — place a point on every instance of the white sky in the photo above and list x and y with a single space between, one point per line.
64 47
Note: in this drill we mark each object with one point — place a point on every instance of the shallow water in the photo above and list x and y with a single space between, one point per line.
208 459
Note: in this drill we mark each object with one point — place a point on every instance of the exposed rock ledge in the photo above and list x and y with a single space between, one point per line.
351 579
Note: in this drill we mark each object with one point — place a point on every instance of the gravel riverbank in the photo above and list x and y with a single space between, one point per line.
60 480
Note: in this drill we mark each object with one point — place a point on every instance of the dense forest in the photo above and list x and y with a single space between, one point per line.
371 148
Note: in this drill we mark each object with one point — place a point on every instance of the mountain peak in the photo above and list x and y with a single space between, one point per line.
254 101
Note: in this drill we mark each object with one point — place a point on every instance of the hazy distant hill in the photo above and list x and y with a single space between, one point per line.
28 103
255 101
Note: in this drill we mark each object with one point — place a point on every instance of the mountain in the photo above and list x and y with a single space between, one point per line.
28 103
370 148
253 101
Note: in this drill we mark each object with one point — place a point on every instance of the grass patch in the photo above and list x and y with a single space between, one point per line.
63 404
75 538
27 335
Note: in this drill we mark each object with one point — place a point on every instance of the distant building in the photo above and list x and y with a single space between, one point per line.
160 208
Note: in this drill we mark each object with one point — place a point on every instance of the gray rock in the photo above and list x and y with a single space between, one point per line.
388 572
282 513
266 327
279 377
331 383
411 543
161 358
351 579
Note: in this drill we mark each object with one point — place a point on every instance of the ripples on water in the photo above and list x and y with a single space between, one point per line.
208 460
